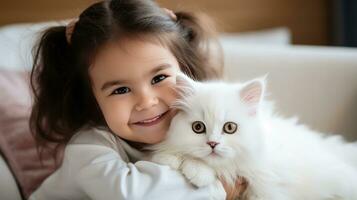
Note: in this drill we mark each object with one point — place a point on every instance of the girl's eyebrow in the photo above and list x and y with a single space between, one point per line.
109 84
160 67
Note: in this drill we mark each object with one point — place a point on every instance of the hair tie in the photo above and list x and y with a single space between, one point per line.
69 29
170 13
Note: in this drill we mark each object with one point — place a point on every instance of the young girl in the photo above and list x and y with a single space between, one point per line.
103 86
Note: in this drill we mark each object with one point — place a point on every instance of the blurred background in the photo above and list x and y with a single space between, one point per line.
314 22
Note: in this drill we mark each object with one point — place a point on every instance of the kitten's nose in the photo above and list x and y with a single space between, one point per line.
212 144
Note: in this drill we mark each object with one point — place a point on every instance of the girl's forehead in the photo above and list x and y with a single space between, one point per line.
127 52
128 58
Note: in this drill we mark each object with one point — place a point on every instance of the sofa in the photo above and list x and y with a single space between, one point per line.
317 84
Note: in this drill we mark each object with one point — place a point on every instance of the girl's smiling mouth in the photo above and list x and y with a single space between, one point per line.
151 121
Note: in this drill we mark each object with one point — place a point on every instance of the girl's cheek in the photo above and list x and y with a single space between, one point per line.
168 91
173 113
118 110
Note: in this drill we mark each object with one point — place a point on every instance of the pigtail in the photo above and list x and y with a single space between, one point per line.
50 75
200 34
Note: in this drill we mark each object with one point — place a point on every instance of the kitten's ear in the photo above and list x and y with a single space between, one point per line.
184 84
184 88
252 94
184 80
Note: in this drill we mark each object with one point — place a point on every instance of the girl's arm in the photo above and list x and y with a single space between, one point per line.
107 176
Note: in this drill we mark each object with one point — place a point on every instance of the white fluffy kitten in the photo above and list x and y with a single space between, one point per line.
227 130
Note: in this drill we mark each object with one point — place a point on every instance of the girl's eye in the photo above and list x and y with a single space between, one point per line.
121 90
198 127
158 78
230 127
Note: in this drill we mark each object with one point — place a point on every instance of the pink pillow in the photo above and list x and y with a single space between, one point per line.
17 145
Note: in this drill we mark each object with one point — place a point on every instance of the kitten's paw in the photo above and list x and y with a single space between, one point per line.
217 191
198 173
167 159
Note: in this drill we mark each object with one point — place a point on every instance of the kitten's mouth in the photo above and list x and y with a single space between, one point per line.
151 121
213 154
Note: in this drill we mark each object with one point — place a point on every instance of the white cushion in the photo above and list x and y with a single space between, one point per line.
273 36
17 41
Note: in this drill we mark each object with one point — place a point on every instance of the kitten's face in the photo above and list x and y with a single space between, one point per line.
216 121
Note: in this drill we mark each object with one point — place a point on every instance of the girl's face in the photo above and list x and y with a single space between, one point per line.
132 83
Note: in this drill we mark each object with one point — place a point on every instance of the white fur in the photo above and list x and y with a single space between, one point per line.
280 159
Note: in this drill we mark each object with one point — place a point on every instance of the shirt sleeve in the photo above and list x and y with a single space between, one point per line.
107 176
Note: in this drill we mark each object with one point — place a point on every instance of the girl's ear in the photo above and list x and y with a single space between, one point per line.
185 85
252 93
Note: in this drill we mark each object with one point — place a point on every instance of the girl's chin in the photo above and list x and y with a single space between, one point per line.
154 135
155 139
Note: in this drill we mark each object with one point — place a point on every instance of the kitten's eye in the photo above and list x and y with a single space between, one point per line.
230 127
121 90
198 127
158 78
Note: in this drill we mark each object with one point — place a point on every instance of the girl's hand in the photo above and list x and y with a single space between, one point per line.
235 192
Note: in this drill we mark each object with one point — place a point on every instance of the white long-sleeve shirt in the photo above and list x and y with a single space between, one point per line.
96 166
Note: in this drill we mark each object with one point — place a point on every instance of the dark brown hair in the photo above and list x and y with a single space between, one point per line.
63 98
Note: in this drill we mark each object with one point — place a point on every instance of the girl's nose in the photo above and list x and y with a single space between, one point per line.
146 101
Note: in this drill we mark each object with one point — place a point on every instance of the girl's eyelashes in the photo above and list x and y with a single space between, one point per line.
124 90
158 78
121 90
